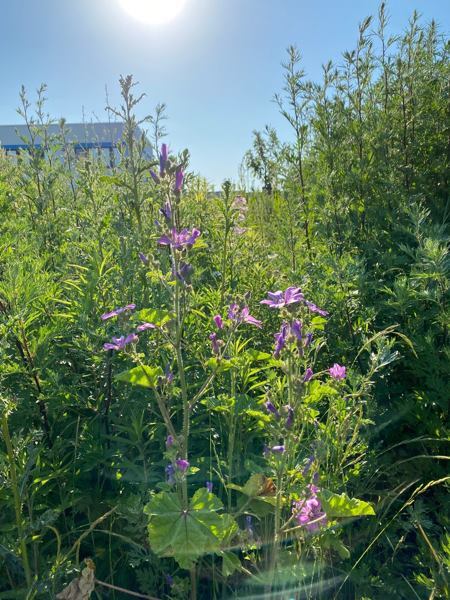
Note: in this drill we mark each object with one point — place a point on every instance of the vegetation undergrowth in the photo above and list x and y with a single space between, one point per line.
241 394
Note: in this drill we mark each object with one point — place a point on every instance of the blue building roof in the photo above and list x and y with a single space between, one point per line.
81 135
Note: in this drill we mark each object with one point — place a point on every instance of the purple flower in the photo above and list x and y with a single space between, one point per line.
271 409
239 203
184 272
155 177
337 372
308 374
169 580
233 312
163 159
170 474
296 329
168 374
179 239
315 309
209 486
218 321
119 343
145 326
308 511
215 343
308 339
280 339
179 177
242 315
170 440
290 416
239 230
143 258
278 449
247 318
118 311
279 299
166 212
182 464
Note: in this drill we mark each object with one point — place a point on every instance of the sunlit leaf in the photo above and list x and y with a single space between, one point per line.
142 375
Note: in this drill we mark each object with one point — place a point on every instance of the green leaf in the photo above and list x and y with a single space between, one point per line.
186 534
256 355
142 375
318 390
156 316
336 505
318 323
230 564
219 365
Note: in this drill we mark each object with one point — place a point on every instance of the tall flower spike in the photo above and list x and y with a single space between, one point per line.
166 212
163 159
154 176
179 177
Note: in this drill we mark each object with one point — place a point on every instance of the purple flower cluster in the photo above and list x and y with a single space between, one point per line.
163 166
308 512
179 239
181 466
292 332
337 372
286 410
120 343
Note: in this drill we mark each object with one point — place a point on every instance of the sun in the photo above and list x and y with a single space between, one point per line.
153 11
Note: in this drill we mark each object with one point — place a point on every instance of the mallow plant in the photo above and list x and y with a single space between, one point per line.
307 416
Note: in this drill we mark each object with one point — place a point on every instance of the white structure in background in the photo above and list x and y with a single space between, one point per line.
100 140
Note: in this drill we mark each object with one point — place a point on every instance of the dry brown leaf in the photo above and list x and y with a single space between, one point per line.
81 587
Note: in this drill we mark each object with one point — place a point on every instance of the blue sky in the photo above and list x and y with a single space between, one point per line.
217 65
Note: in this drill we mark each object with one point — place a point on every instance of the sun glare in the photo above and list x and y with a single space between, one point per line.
153 11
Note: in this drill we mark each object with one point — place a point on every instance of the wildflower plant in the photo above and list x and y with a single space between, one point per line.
189 525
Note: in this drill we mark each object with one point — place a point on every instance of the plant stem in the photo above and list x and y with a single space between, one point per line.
17 502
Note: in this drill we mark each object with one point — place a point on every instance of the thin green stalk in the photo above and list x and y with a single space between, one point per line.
232 436
17 502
